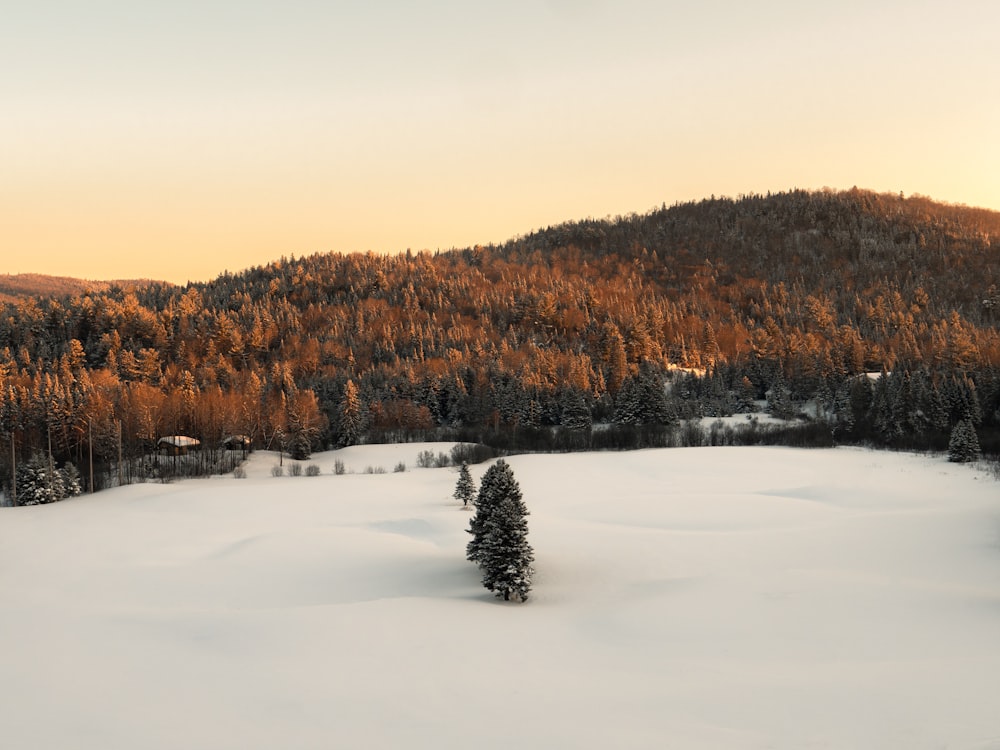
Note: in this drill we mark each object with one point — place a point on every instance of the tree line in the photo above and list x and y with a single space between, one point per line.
597 333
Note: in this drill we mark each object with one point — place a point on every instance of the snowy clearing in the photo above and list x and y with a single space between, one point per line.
690 598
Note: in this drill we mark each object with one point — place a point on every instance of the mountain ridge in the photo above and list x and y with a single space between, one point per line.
907 213
786 298
18 285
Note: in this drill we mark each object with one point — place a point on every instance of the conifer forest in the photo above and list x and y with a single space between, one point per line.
857 317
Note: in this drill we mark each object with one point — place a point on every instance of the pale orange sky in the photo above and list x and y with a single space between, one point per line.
175 140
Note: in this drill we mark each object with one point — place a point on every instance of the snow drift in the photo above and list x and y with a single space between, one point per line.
695 598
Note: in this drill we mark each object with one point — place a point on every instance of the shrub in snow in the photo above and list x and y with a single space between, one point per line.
425 459
299 446
499 531
963 446
312 470
37 483
277 471
295 470
71 480
400 467
692 435
472 453
338 467
240 473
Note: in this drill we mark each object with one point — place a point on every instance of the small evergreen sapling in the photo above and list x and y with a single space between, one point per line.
465 488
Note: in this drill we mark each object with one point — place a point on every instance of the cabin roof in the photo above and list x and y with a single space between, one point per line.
179 441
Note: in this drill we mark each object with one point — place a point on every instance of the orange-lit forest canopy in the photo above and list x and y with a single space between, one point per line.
553 330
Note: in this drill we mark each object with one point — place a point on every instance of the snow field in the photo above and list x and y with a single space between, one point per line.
696 598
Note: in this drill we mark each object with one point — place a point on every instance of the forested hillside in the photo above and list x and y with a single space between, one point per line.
16 286
699 309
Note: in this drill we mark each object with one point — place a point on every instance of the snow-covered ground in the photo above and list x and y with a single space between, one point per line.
685 598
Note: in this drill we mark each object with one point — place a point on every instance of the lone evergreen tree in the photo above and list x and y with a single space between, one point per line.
500 535
465 488
963 446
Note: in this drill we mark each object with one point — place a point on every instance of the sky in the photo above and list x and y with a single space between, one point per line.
178 140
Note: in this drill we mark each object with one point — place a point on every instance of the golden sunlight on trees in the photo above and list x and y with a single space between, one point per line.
712 305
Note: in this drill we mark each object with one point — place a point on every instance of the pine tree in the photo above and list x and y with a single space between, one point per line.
963 446
746 394
500 530
628 402
350 416
656 408
613 354
37 484
303 422
967 401
70 476
779 400
841 414
575 412
709 347
465 488
531 414
883 415
486 501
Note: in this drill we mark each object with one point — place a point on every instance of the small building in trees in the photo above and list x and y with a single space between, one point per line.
177 445
237 443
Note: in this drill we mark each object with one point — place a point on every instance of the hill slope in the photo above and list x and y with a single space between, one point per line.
17 286
527 344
